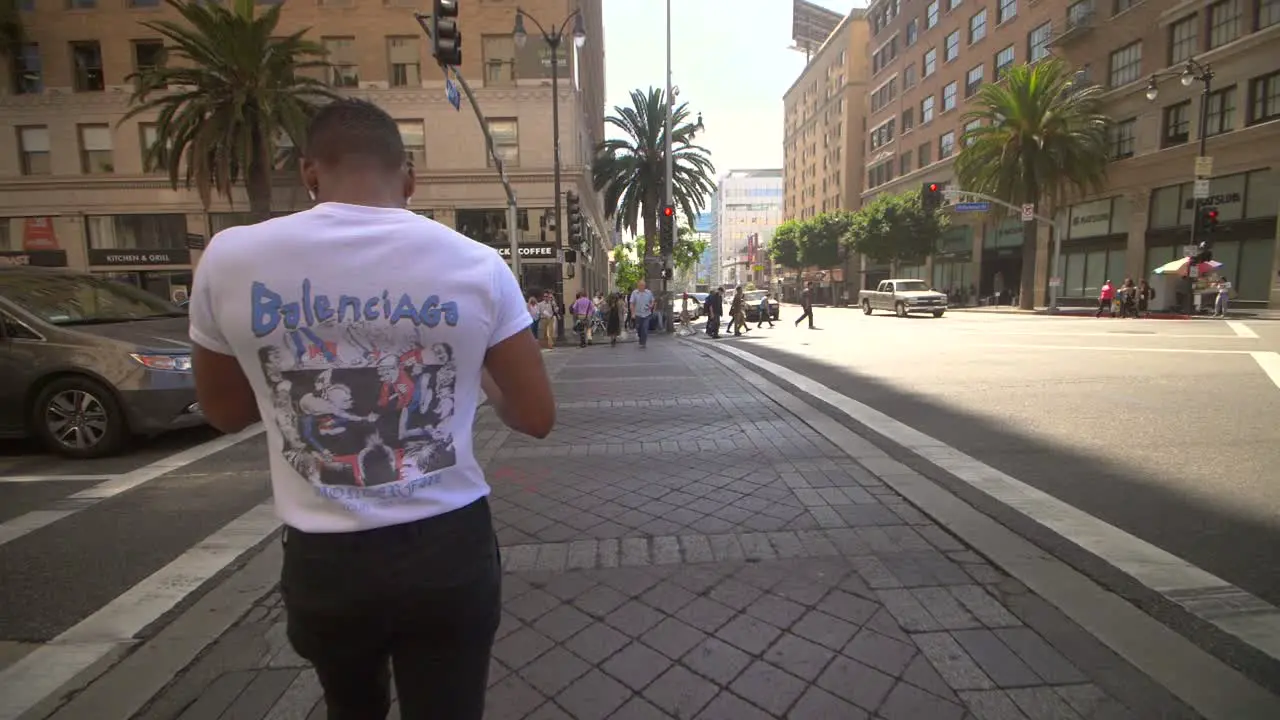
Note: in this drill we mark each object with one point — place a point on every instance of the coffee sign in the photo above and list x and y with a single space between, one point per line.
530 251
139 257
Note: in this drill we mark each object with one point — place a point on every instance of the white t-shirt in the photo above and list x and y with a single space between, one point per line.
363 331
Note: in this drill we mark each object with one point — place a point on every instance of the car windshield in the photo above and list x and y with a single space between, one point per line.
754 296
73 299
910 286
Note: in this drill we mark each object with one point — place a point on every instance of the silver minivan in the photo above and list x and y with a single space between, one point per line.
87 363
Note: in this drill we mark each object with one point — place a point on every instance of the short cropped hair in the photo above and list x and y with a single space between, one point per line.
349 129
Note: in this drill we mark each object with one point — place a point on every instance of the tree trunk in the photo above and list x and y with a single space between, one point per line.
258 180
1027 286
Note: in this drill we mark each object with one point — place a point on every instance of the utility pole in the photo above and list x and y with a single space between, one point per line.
669 189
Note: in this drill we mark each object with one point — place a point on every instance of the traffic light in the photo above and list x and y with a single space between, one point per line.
446 41
930 197
1206 220
667 230
573 210
1204 253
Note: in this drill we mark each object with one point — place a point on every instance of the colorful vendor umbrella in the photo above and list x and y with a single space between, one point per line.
1179 267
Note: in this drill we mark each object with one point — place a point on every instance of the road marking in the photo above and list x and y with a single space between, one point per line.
1270 363
1249 618
1112 334
15 528
1113 348
56 478
1242 330
114 626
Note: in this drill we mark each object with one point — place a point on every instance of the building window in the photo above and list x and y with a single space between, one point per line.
506 140
33 144
931 15
28 74
1177 124
882 135
1226 20
144 3
930 62
147 55
947 145
1122 5
949 97
1264 98
1038 42
926 110
909 76
404 62
137 232
908 119
1126 64
913 31
1182 39
952 46
953 4
1004 61
344 71
966 136
414 137
1268 13
904 162
148 136
924 155
973 80
95 149
978 26
499 53
87 58
1222 112
880 174
1122 139
82 4
1007 10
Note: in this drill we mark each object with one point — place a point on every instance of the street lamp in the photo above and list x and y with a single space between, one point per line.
553 41
1192 72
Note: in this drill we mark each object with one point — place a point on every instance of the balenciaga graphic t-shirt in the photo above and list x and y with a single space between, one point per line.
363 331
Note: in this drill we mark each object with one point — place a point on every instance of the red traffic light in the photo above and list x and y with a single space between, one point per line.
1212 214
933 187
668 211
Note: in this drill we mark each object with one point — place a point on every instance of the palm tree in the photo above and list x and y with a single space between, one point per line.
234 93
1040 136
631 170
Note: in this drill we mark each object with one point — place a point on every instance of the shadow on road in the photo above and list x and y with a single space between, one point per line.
28 457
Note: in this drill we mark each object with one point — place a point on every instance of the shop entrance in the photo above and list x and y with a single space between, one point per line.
538 277
1001 276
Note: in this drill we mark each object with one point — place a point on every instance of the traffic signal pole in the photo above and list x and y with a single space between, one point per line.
668 190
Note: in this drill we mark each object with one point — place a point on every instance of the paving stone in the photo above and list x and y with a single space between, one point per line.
996 659
726 547
764 576
717 660
600 600
876 574
787 545
984 607
562 623
752 635
819 627
991 705
768 687
952 662
594 696
910 703
634 618
799 657
681 693
818 704
922 674
860 684
609 553
547 711
1092 703
705 614
1047 662
511 699
756 546
734 594
519 558
697 549
666 550
597 642
552 557
636 665
673 638
532 604
776 611
804 590
727 706
945 608
553 671
631 581
1042 703
521 647
908 611
568 586
582 554
667 596
850 608
883 653
261 694
816 543
638 708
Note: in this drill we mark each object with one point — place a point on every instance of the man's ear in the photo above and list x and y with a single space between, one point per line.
310 176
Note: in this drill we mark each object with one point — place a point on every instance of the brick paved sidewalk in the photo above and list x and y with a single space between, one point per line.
681 547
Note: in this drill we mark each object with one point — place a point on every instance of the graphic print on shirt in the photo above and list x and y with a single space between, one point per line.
363 397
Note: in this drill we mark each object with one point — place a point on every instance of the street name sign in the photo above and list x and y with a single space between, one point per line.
971 207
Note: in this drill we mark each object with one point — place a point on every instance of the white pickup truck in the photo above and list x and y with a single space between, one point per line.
903 297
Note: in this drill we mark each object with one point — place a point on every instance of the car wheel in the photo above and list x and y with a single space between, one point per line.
900 309
79 418
866 307
938 313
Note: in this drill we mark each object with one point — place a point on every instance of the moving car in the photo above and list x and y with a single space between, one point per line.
751 305
88 362
903 298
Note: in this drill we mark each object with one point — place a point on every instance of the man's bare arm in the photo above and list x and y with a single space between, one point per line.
516 383
226 398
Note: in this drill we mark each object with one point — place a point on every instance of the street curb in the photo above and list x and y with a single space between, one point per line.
1181 667
130 685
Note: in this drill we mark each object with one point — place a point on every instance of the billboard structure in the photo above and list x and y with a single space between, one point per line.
811 25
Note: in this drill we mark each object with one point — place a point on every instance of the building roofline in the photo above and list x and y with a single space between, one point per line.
854 14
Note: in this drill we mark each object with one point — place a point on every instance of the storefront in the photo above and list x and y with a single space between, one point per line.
953 265
34 258
147 251
1094 250
1001 271
1245 240
539 267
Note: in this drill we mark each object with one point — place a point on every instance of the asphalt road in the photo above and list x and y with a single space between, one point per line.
1165 429
61 573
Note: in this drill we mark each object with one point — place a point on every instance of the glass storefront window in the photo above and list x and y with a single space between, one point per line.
137 232
1095 272
488 226
1166 204
1073 278
1253 282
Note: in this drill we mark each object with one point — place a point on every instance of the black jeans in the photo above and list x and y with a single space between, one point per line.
425 596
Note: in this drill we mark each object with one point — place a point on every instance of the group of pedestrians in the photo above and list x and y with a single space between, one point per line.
1128 301
612 314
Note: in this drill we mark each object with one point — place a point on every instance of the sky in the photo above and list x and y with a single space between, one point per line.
730 59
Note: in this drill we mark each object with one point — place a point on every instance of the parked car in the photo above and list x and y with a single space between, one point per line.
751 304
903 297
89 362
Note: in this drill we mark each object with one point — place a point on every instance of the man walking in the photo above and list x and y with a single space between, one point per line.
361 334
806 304
641 308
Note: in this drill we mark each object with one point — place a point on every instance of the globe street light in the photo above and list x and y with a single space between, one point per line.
554 39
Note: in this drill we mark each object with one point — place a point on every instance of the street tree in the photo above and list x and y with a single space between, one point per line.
627 269
821 237
237 89
686 252
895 227
784 247
630 170
1039 136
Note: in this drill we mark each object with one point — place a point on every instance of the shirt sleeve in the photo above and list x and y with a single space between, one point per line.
511 308
203 309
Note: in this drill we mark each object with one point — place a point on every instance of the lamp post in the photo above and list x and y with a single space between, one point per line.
1194 71
554 39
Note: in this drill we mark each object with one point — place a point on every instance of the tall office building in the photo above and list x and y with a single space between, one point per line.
73 190
748 207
